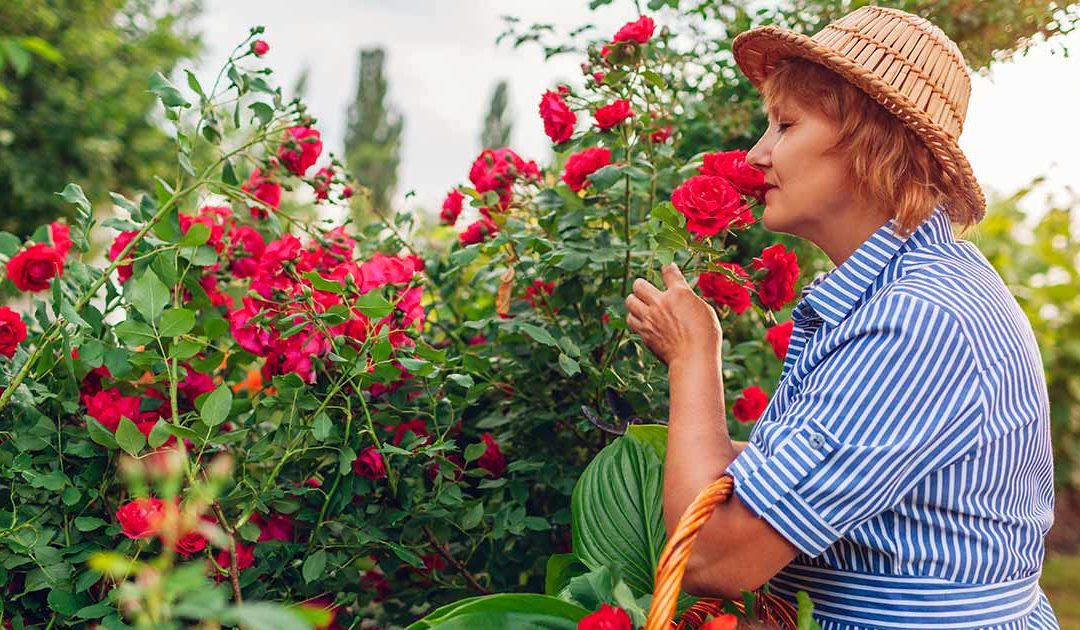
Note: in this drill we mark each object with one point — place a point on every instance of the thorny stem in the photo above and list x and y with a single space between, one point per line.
445 553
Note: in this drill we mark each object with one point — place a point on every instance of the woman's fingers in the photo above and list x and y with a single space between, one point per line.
636 306
634 322
645 291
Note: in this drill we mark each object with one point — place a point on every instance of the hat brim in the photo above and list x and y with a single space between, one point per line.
758 50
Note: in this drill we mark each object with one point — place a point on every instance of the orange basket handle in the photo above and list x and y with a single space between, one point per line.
672 564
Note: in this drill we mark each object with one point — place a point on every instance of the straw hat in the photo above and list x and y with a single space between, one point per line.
903 62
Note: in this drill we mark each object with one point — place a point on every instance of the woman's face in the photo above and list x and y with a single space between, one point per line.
810 186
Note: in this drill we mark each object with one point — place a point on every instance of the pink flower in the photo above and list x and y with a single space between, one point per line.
301 149
451 207
260 47
265 189
322 180
478 231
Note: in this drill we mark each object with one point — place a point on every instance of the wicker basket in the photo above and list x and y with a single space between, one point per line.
771 610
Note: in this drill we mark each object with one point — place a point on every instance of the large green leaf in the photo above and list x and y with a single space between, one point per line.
617 516
504 610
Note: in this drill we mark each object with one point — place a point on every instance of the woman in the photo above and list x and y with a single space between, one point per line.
902 472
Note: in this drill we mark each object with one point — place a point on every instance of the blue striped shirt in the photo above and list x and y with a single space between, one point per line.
906 450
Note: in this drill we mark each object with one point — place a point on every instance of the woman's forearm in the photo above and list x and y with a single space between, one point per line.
699 448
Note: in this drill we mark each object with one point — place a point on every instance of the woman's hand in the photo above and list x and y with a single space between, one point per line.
675 324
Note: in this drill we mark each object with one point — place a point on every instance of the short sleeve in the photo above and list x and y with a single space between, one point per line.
898 397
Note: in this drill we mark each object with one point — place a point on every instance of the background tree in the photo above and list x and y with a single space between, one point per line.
498 123
84 113
373 134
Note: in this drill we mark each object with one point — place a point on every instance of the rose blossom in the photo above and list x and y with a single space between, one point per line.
778 286
478 231
584 163
723 622
139 518
661 135
321 182
639 31
245 558
121 241
308 146
711 205
607 618
451 207
538 288
277 527
750 404
492 459
725 291
33 268
779 337
369 464
558 119
732 166
12 331
416 426
109 406
265 190
60 234
260 47
497 170
611 115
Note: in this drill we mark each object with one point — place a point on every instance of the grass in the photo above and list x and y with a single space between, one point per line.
1061 583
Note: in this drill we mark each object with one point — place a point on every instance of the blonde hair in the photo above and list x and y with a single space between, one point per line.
891 166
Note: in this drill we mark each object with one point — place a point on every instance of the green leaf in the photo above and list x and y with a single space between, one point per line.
805 619
263 615
263 112
320 429
314 566
617 518
129 437
504 610
99 433
655 79
197 234
148 295
605 177
159 434
473 516
652 435
64 602
73 194
538 334
176 322
569 366
193 83
88 523
134 333
216 405
560 568
167 92
374 305
474 451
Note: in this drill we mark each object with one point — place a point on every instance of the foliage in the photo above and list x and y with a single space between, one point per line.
83 114
373 135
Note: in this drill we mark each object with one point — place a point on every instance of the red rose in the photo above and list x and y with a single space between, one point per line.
260 47
497 170
492 460
584 163
33 268
711 205
778 286
60 233
559 121
369 464
779 337
598 77
192 542
108 406
139 519
724 290
416 426
12 331
265 190
732 165
477 340
322 180
750 404
607 618
640 31
277 527
245 558
123 271
536 289
611 115
451 207
301 149
478 231
661 135
723 622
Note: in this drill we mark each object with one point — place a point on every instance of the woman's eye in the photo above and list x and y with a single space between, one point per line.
782 126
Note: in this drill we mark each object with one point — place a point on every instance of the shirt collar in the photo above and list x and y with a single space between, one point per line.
833 295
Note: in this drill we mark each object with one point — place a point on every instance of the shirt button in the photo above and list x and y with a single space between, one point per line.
817 441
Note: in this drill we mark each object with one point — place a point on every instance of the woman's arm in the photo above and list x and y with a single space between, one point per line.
735 550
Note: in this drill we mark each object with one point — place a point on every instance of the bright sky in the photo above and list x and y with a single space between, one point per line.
443 64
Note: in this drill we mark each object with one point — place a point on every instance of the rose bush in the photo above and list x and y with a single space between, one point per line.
365 422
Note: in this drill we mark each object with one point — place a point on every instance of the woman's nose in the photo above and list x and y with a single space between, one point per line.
758 157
